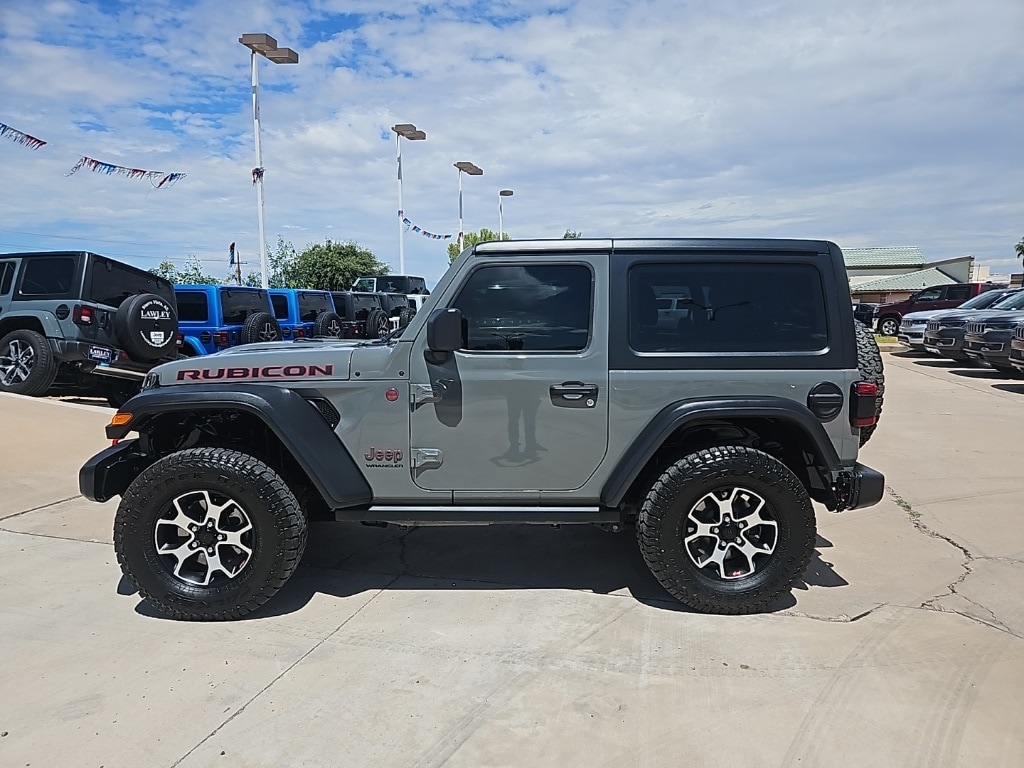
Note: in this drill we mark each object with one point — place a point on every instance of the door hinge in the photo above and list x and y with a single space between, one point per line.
426 458
425 393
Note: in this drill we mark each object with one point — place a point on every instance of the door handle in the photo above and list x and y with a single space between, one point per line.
574 394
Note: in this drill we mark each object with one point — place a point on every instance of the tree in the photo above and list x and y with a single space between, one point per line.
192 273
571 234
1019 248
329 266
472 238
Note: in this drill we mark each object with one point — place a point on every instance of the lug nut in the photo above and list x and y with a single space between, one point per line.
738 540
714 530
742 524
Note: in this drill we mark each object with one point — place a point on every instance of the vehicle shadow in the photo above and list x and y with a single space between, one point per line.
1016 389
345 559
943 363
982 373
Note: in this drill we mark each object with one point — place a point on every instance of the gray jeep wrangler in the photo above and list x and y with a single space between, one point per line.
82 320
536 386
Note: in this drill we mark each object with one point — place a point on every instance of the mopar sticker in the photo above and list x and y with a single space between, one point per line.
264 372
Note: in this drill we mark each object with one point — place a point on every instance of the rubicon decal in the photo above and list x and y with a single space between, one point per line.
264 372
384 457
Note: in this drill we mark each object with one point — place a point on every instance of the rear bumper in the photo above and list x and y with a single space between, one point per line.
860 486
82 354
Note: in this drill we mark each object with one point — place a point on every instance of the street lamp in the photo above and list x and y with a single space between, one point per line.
265 46
501 224
473 170
412 133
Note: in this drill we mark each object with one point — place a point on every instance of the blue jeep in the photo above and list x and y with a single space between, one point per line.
215 317
305 313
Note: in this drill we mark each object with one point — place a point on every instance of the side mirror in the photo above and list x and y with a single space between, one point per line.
444 330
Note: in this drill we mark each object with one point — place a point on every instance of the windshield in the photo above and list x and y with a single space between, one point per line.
1013 301
983 300
236 305
311 304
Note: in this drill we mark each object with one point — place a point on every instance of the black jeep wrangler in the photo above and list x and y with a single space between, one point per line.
82 320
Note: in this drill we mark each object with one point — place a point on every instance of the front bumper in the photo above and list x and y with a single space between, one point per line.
111 471
859 486
1017 354
992 347
912 337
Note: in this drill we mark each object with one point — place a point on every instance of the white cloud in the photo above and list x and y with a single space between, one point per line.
868 124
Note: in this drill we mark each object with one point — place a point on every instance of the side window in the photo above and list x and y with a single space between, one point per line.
280 306
542 308
6 277
729 307
932 294
192 307
47 276
958 292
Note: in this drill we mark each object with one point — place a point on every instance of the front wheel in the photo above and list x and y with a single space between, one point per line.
727 530
209 534
888 326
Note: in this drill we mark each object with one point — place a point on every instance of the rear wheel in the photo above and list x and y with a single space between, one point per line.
727 530
209 533
869 363
376 324
27 364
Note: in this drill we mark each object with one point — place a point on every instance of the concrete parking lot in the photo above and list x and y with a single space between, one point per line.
530 646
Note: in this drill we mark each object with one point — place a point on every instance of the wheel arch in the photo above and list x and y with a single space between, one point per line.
276 422
40 322
780 427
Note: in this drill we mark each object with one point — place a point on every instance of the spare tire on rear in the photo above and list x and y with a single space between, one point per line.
260 327
327 325
869 363
147 326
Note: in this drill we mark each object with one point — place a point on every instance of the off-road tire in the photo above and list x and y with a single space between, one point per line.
662 520
260 328
376 323
889 326
405 314
869 363
136 332
118 397
276 516
327 326
41 372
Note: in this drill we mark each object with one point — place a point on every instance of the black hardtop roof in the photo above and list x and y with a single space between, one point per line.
655 244
87 254
219 286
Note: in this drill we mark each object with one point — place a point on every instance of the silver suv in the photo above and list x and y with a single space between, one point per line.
536 386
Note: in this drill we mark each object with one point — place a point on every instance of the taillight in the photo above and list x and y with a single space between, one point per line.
300 332
180 339
221 339
862 404
83 315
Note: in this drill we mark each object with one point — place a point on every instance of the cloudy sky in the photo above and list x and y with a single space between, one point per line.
866 122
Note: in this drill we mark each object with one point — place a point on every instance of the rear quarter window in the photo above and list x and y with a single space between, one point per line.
280 303
193 307
733 307
52 276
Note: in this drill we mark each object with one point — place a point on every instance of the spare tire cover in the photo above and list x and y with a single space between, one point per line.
147 326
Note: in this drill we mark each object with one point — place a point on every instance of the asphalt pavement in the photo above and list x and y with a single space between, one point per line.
533 646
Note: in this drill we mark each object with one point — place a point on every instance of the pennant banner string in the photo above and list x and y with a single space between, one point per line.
20 138
158 179
419 230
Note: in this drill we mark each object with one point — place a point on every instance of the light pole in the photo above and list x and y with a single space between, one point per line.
410 132
473 170
501 224
265 46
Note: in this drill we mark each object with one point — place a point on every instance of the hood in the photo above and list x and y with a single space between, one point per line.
276 362
1006 317
925 314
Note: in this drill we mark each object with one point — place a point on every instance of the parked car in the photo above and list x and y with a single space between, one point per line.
865 313
988 338
1017 349
362 316
935 297
945 332
82 320
914 326
215 317
305 313
399 292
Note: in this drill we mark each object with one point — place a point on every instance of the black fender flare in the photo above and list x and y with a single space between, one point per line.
687 412
288 415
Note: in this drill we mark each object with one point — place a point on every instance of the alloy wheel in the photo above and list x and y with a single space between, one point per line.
16 364
731 533
268 333
204 538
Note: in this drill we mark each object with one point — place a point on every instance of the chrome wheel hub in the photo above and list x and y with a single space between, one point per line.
204 538
730 533
16 362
